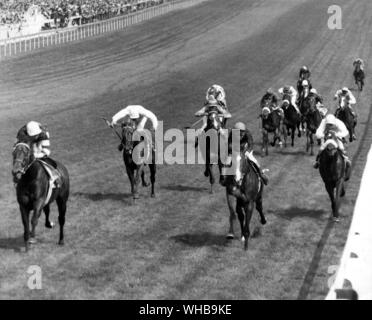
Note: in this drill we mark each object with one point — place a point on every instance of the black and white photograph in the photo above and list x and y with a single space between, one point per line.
185 154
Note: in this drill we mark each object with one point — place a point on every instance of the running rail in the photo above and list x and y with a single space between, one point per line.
354 276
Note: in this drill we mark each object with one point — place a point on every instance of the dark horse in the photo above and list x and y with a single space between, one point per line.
32 188
271 123
252 188
334 172
313 120
359 76
135 169
211 147
292 120
345 114
304 102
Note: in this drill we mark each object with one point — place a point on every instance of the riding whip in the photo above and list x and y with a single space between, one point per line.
109 125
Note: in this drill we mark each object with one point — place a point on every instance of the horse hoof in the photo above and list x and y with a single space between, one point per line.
32 241
152 195
230 236
263 221
242 239
61 243
145 184
206 174
49 225
336 219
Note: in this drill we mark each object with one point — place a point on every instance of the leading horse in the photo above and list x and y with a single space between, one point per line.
252 188
32 186
332 168
292 120
359 76
135 169
313 119
345 114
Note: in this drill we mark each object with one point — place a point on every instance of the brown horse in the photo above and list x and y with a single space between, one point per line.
359 76
135 169
252 188
32 182
334 172
271 123
313 119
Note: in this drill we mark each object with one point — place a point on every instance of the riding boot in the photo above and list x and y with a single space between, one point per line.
316 164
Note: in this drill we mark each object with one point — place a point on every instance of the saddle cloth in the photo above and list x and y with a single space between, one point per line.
54 176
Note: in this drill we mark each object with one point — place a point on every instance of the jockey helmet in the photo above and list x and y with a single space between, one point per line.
305 83
240 126
345 90
330 119
304 68
313 90
270 91
33 128
133 114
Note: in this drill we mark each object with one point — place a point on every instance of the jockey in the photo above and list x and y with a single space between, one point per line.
331 123
218 93
359 62
289 90
139 115
301 85
304 74
345 98
270 97
246 145
37 137
212 102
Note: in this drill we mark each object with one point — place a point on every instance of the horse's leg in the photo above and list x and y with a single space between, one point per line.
143 178
332 198
211 177
307 140
61 203
48 223
265 141
133 186
37 208
26 225
240 213
230 204
293 136
339 191
248 209
152 178
311 144
259 208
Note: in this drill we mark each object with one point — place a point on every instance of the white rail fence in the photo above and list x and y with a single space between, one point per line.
354 277
15 46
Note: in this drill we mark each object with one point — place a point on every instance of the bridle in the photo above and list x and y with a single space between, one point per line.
24 167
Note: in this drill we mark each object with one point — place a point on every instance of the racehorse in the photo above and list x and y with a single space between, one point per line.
332 168
313 119
271 123
359 76
292 120
212 147
304 104
345 114
32 186
252 188
136 170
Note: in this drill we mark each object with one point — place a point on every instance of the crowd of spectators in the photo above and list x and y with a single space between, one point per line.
61 12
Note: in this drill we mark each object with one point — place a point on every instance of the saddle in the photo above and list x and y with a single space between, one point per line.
55 179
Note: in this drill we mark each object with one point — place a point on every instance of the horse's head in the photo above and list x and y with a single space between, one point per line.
128 129
213 120
265 112
285 104
331 141
22 158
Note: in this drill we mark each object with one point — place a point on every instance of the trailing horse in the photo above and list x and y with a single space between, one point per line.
271 123
334 172
33 189
313 120
135 169
252 188
292 120
359 77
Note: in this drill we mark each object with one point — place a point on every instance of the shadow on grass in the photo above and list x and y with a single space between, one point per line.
296 212
104 196
15 244
204 239
182 188
287 151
